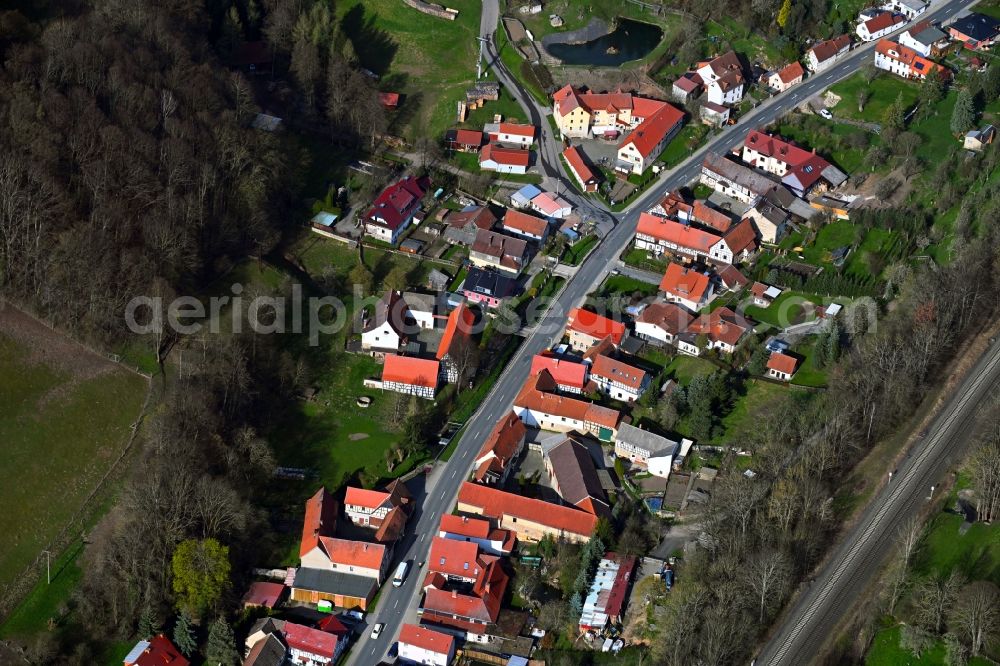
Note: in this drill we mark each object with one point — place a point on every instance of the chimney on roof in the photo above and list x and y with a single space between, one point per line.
454 594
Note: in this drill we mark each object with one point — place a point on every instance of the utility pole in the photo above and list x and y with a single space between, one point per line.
479 63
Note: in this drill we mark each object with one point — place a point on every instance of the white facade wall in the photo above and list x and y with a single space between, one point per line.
419 655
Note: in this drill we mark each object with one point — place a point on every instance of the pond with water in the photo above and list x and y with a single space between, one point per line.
630 40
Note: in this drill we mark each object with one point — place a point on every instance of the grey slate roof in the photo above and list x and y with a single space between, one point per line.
755 181
268 652
655 444
335 582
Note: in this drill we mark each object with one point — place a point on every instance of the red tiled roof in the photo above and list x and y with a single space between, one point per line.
466 137
463 525
356 553
509 251
392 525
648 134
711 217
565 372
731 277
791 71
161 652
567 98
388 99
527 224
263 594
504 441
909 57
615 370
722 325
320 520
369 499
310 640
782 363
480 216
669 316
684 282
575 161
455 558
805 165
460 321
411 371
427 639
517 129
508 156
883 21
687 84
616 599
679 234
331 625
743 236
594 325
397 202
535 396
495 504
831 47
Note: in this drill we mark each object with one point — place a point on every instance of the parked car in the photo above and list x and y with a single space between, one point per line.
377 630
826 114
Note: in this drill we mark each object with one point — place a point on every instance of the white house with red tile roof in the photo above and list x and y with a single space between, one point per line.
491 249
661 322
411 375
514 134
582 173
420 645
394 208
823 54
570 376
493 157
643 145
532 519
360 558
491 540
551 205
586 328
501 448
781 366
368 508
786 77
722 329
659 235
800 170
316 646
905 62
157 651
524 225
879 26
539 406
686 286
618 380
463 587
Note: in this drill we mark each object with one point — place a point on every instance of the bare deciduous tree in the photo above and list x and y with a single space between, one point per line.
976 615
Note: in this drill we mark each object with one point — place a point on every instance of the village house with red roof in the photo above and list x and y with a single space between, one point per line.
345 573
539 405
879 26
781 366
618 380
420 645
573 476
648 124
157 651
905 62
504 444
456 351
686 286
317 646
463 587
722 329
512 134
823 54
569 375
393 209
723 79
411 376
531 519
464 140
493 157
608 593
586 328
661 323
800 170
525 226
582 174
491 540
786 77
372 508
659 235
